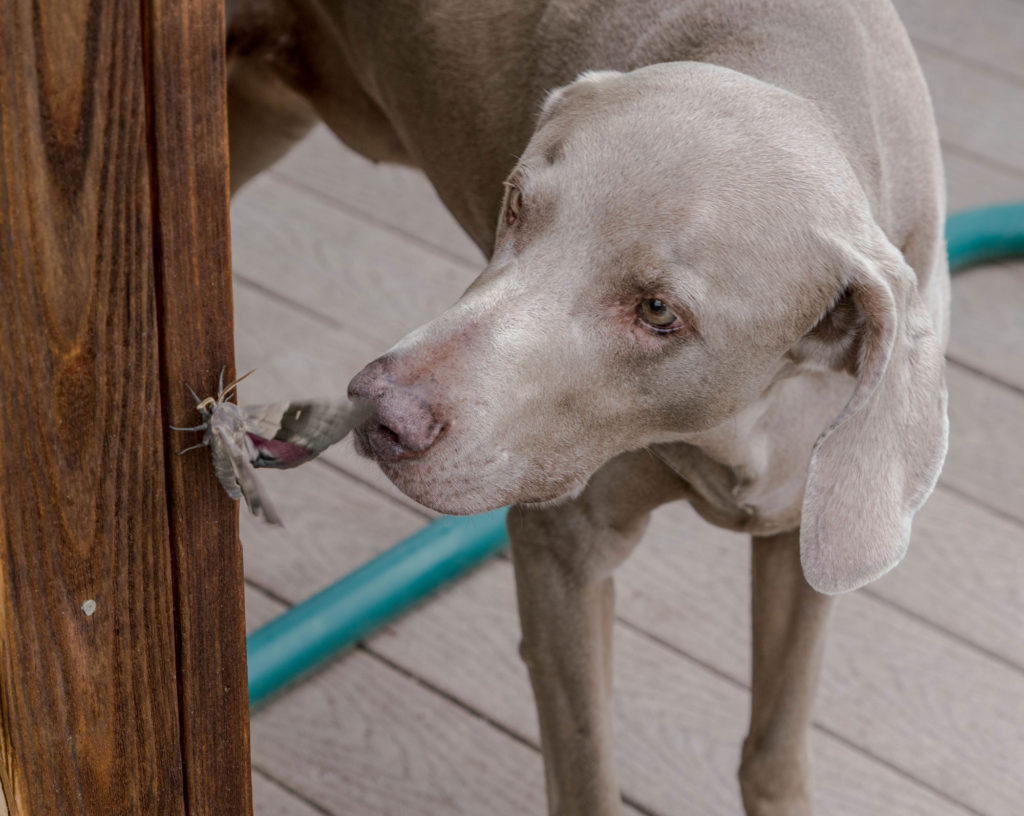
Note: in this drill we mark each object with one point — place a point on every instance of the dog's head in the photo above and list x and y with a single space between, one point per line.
673 243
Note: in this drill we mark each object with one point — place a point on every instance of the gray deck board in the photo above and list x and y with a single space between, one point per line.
987 33
922 702
990 296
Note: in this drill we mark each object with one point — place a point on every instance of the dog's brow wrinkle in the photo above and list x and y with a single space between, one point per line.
554 151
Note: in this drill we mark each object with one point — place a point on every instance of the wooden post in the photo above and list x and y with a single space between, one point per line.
122 645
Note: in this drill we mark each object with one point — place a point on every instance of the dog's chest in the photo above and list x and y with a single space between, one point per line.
751 498
750 473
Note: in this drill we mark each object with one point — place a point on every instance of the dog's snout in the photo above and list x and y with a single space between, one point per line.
401 421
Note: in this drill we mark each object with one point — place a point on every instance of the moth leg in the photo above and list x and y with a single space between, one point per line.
193 447
195 396
220 383
202 427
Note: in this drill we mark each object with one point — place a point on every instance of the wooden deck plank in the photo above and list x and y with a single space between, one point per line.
271 799
361 738
988 32
973 181
985 457
399 196
891 684
679 726
987 330
976 110
331 526
964 573
339 265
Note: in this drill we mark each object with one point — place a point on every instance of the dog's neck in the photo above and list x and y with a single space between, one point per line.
741 476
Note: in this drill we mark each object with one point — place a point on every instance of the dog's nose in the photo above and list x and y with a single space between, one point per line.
401 423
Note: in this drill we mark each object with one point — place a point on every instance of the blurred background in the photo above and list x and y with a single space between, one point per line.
921 708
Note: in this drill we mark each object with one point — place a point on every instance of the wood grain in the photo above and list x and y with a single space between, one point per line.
122 681
188 146
88 703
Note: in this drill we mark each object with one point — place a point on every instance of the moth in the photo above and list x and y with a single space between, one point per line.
279 435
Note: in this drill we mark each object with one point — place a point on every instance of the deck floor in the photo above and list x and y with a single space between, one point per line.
921 709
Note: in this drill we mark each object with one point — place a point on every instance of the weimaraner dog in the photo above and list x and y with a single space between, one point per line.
716 273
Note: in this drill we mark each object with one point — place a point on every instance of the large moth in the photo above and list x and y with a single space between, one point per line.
279 435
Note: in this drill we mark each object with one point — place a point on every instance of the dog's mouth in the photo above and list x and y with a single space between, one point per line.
361 442
475 482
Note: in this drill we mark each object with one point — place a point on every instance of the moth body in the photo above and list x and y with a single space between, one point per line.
225 435
280 435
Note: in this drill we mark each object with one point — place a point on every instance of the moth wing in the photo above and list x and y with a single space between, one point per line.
288 434
243 476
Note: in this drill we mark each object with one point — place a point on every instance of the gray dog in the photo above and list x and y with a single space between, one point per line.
718 274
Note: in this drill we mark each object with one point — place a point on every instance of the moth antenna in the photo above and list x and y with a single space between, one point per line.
192 447
205 405
193 393
225 391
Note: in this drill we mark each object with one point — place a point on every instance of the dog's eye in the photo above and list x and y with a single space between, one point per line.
514 205
656 314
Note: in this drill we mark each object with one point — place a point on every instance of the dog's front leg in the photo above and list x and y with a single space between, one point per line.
790 620
564 557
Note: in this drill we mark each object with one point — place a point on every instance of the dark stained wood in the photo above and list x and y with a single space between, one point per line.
88 703
134 704
188 143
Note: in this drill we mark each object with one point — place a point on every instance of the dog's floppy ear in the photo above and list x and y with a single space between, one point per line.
876 463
